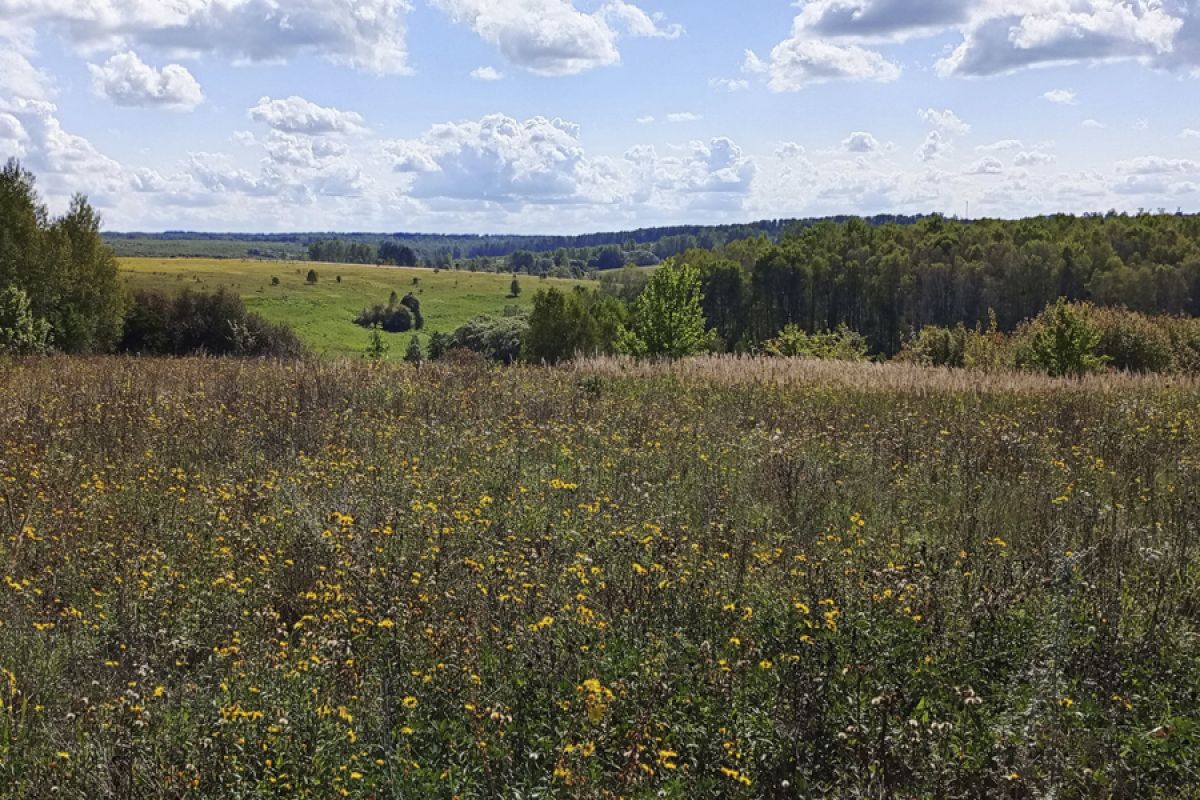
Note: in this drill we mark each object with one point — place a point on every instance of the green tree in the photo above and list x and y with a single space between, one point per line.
669 316
68 274
312 276
1063 342
414 354
21 333
439 343
377 348
514 289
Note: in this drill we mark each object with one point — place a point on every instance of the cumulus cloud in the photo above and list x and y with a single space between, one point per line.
1092 123
553 37
501 159
934 147
998 37
1189 133
987 166
367 34
20 78
860 142
127 81
715 167
486 74
946 121
1028 33
297 115
800 62
684 116
1063 97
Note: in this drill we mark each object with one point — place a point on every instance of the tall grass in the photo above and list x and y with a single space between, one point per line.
720 578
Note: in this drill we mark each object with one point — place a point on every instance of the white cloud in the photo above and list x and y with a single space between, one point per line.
716 167
946 121
297 115
798 62
1033 158
987 166
729 84
366 34
1063 97
646 120
934 147
638 23
684 116
1189 133
127 81
999 37
553 37
1007 37
19 78
789 150
486 74
1001 146
503 160
1156 165
860 142
1092 123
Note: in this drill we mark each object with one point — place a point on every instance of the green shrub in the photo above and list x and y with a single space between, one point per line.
21 333
1132 342
842 344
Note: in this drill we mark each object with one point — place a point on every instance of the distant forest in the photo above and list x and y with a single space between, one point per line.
642 247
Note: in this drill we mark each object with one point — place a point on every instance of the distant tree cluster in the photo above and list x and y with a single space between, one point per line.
398 316
396 254
339 251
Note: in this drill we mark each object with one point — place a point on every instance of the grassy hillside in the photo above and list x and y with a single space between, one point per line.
324 314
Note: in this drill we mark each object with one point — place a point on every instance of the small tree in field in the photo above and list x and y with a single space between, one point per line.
668 317
415 353
312 276
439 343
514 290
377 348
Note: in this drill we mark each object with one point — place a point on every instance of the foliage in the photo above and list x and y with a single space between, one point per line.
415 354
563 325
439 343
1062 342
21 333
496 338
312 277
216 323
668 318
514 289
67 273
336 251
256 580
840 345
377 348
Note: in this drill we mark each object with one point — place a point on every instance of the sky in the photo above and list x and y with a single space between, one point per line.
572 116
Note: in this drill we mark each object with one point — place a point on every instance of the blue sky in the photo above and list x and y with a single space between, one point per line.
559 116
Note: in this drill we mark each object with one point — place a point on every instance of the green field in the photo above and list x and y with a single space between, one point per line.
323 315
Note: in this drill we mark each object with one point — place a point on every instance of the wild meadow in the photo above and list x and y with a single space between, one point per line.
725 579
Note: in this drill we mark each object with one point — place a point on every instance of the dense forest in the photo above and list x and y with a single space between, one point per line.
887 281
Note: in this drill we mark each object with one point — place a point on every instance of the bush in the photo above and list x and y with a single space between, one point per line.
1061 342
495 338
196 322
935 346
840 345
1131 341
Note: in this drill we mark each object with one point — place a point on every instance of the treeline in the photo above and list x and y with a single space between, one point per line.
60 292
476 252
888 282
